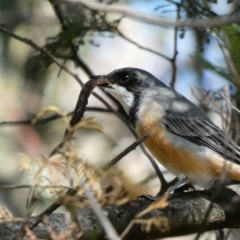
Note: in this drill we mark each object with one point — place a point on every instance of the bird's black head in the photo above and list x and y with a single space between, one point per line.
133 79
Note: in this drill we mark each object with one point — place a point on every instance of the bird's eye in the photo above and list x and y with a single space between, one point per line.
125 78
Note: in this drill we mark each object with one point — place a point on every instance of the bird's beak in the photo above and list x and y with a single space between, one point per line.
103 81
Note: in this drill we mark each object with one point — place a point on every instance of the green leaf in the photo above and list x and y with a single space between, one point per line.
209 66
233 34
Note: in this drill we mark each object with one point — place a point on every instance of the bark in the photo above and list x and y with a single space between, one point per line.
185 214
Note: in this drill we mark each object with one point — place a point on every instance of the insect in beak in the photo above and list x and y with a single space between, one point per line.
103 81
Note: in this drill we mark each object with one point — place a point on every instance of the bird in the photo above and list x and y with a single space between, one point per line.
180 135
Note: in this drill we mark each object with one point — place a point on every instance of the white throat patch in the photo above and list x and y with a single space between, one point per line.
122 95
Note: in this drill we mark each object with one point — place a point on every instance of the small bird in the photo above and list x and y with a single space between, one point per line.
180 136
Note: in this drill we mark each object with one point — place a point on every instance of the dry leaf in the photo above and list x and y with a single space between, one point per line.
89 123
51 109
25 162
158 204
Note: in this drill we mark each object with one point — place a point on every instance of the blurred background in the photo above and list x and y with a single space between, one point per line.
193 61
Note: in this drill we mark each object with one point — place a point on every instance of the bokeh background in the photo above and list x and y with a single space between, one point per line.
25 89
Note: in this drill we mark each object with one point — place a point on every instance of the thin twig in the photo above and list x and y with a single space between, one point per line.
69 193
29 42
49 119
141 47
104 221
228 101
173 59
58 11
11 187
124 152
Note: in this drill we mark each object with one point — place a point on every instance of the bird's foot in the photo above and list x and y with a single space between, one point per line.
179 186
148 197
184 188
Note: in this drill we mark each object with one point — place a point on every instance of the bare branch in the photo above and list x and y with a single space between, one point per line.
173 59
184 214
104 221
11 187
141 47
48 119
70 192
126 11
124 152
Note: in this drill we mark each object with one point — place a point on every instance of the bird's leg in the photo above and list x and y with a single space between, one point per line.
178 184
166 186
173 188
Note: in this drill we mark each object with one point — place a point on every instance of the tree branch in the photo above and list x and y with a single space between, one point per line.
183 215
155 20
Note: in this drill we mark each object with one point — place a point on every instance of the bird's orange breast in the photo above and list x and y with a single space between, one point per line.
176 159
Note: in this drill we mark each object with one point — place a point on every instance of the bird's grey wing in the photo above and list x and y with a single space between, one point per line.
197 128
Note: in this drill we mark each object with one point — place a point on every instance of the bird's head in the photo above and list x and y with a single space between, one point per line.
128 85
